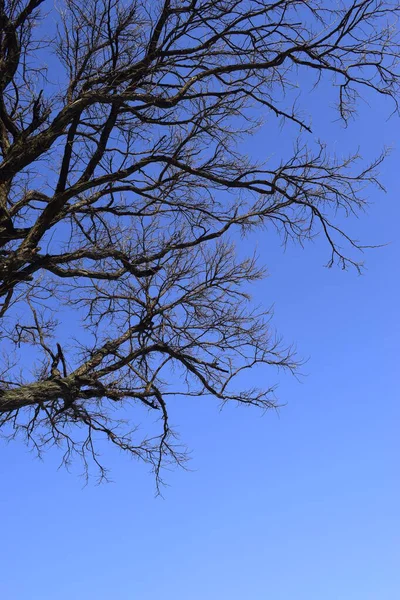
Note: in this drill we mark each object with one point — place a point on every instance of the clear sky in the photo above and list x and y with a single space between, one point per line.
300 505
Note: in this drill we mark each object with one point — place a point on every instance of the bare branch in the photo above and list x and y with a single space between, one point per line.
118 194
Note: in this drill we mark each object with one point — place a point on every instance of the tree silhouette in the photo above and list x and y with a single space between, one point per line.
122 179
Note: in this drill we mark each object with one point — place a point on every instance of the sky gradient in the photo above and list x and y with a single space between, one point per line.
296 505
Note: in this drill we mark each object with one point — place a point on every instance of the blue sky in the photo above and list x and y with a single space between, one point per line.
297 505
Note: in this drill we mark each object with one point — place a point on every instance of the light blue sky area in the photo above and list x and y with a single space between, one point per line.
300 505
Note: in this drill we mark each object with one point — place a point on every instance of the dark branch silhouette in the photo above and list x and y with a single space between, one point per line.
122 182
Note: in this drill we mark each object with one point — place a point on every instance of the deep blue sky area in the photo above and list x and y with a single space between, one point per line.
302 504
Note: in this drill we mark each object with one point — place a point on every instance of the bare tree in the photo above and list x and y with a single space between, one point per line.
122 180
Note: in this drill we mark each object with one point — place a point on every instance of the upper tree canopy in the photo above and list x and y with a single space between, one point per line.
121 178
